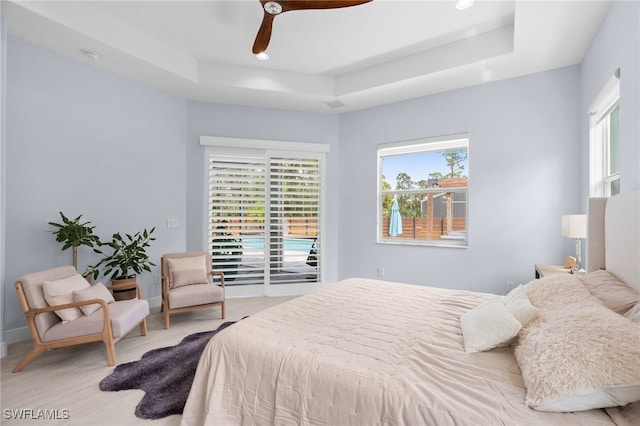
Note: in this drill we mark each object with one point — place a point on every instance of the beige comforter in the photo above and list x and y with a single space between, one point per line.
362 352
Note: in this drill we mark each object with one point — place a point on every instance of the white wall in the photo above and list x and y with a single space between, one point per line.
83 141
524 173
616 45
264 124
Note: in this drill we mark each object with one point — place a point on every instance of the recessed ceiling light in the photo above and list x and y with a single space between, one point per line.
262 56
91 54
464 4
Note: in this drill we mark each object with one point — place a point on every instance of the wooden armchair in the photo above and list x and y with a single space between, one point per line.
107 322
188 283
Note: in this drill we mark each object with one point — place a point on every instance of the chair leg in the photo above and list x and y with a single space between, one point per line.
222 309
143 327
111 352
34 353
166 319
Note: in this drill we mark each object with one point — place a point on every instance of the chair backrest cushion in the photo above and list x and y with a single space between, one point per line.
59 292
32 287
187 268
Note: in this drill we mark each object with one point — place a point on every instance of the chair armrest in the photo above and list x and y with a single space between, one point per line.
31 313
35 311
221 274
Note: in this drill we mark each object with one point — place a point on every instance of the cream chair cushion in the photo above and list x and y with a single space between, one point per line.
96 291
187 271
59 292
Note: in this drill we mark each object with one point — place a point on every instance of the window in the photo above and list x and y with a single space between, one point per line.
264 215
423 191
604 141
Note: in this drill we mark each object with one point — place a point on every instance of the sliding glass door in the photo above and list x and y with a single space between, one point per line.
264 219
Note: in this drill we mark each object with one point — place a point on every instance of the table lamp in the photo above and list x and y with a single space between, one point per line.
575 226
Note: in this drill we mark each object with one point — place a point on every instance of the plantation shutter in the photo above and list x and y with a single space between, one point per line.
294 203
237 194
264 215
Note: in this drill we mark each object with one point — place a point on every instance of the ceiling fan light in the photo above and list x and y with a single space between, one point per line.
464 4
262 56
273 8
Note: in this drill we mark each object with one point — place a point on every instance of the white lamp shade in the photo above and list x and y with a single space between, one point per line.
574 225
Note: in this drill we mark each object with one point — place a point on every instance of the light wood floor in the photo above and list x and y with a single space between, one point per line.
67 378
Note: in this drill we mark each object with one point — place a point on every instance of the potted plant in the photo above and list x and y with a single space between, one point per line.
127 258
73 233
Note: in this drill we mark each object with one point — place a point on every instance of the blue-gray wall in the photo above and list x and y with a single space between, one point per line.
83 141
616 45
523 143
127 157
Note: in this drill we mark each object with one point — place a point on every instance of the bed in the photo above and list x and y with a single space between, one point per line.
368 352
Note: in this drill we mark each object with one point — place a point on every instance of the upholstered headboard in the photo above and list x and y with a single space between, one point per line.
613 236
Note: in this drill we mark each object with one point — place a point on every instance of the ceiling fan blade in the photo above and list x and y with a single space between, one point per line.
264 34
288 5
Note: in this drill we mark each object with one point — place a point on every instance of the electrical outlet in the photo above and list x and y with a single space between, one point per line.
510 286
173 223
380 271
157 279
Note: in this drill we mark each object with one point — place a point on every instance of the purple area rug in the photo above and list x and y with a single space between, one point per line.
165 374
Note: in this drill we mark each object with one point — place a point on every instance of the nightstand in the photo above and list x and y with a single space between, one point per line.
547 270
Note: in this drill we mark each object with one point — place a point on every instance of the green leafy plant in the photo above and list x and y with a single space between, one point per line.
128 255
73 233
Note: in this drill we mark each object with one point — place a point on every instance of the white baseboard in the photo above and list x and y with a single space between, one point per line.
15 335
21 334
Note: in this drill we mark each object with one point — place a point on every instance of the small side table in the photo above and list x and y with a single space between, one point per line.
547 270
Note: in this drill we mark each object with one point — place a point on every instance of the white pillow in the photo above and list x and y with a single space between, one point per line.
187 270
519 305
488 326
97 291
59 292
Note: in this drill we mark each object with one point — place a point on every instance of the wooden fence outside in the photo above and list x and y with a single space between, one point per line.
294 226
417 228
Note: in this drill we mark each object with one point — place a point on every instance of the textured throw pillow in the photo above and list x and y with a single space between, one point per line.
97 291
488 326
187 271
519 305
577 354
59 292
633 314
613 293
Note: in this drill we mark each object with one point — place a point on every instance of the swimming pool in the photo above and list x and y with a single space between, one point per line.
302 245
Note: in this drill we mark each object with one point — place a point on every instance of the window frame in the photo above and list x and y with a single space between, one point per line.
601 178
430 144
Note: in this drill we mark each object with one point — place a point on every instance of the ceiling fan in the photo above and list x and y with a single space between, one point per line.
273 8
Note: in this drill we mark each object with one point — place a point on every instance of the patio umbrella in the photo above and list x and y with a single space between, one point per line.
395 222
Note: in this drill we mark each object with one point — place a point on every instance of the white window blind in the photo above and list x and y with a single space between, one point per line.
264 215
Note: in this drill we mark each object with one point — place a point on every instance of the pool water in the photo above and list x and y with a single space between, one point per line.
302 245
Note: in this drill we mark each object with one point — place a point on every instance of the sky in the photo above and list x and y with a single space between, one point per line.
418 166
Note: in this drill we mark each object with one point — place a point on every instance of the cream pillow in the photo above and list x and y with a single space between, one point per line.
59 292
187 270
577 355
519 305
613 293
488 326
97 291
